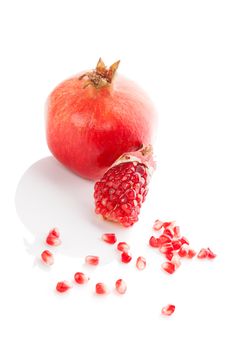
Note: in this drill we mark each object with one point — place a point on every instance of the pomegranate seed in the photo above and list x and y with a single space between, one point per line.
100 288
176 231
184 240
164 239
168 224
203 253
168 267
154 242
54 233
176 244
169 255
81 278
157 225
141 263
126 257
63 286
210 254
52 240
183 252
166 248
191 253
92 260
47 257
121 286
123 246
168 232
109 238
168 310
176 261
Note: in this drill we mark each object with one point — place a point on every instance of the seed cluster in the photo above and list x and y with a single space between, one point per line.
121 192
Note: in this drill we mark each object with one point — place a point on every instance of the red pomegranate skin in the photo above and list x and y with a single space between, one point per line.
89 128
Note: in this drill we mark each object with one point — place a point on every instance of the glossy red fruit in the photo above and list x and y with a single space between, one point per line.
92 260
210 254
101 288
158 224
203 253
168 310
109 238
94 117
63 286
123 247
126 257
47 257
168 267
81 278
141 263
121 286
123 188
154 242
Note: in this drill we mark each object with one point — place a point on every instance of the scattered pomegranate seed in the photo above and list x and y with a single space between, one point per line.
176 261
176 244
191 253
123 246
141 263
176 231
100 288
157 225
121 286
168 267
53 237
154 242
169 255
166 248
164 239
92 260
184 240
183 252
203 253
63 286
210 254
109 238
167 232
47 257
168 310
54 232
81 278
126 257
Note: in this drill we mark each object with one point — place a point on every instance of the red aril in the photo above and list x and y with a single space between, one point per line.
176 261
210 254
168 310
176 244
166 248
123 246
169 255
53 237
94 117
176 231
154 242
63 286
54 232
168 267
141 263
119 194
101 288
92 260
81 278
191 253
168 224
168 232
157 225
184 240
203 253
47 257
109 238
126 257
183 251
121 286
164 239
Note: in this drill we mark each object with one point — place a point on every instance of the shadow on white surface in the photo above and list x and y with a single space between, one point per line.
47 196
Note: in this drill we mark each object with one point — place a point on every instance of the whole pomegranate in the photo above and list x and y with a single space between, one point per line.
96 116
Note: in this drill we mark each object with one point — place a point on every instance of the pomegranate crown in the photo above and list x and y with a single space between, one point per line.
101 76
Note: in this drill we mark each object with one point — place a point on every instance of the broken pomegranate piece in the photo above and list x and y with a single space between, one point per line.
168 310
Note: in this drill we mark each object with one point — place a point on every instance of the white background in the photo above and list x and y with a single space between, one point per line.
180 52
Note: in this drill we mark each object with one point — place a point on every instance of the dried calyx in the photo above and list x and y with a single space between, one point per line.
101 76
